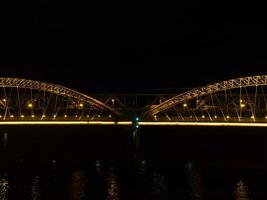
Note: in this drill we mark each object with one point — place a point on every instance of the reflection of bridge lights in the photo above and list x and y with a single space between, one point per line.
30 105
185 105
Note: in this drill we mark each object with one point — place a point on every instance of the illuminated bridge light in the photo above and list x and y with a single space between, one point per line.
1 116
81 105
184 105
191 116
242 105
76 116
98 116
265 117
43 116
22 116
33 116
252 117
109 116
227 116
54 116
203 116
4 100
87 116
30 105
65 116
215 116
12 116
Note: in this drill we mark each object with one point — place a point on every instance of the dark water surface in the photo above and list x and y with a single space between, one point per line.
81 162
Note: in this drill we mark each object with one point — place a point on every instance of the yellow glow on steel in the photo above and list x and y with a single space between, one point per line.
129 123
203 124
124 123
56 123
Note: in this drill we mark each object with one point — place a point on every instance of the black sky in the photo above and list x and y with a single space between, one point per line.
114 46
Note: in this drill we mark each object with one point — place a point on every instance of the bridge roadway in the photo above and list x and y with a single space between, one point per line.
235 102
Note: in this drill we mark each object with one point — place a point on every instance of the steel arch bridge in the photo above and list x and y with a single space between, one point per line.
235 102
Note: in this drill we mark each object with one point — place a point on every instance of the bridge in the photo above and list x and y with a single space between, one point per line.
235 102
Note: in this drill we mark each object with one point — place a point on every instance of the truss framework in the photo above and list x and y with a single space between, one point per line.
209 89
56 89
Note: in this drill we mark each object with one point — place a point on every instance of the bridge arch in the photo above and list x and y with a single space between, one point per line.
11 91
240 84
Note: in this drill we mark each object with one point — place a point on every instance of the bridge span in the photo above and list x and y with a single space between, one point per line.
235 102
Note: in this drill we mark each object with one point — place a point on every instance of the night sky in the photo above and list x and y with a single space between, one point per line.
112 46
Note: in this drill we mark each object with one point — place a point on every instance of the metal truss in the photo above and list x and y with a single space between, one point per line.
206 90
55 89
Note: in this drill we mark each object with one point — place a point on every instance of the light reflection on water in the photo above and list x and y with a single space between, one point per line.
159 186
154 184
241 191
78 185
194 184
35 194
113 192
4 186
